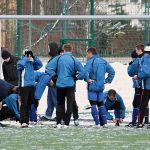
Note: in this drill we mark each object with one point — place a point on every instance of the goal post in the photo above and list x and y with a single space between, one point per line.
75 17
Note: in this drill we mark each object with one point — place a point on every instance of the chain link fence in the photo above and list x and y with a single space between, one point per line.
111 38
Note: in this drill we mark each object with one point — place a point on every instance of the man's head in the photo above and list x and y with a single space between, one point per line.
67 47
29 55
112 94
6 55
91 51
53 49
139 49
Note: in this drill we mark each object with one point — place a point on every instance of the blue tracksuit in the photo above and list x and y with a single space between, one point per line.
29 81
144 75
133 69
66 79
42 81
95 69
51 101
68 69
117 105
12 102
7 98
139 67
144 71
29 66
64 71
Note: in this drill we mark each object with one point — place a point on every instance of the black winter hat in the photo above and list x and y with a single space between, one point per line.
5 54
134 54
53 49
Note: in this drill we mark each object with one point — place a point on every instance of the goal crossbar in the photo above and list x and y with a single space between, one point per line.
74 17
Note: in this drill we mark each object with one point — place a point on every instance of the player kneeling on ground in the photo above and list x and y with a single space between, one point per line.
8 101
113 101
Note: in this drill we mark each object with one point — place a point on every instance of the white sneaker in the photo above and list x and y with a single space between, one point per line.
105 126
58 126
65 126
33 123
76 122
96 126
24 125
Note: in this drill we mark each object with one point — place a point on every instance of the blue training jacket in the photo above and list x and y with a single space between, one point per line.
65 66
29 67
144 71
95 69
42 79
108 104
133 70
11 102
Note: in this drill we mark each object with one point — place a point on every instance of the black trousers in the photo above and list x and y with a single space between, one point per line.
5 113
27 98
143 106
69 93
137 97
75 110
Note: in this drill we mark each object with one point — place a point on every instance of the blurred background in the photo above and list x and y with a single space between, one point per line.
111 38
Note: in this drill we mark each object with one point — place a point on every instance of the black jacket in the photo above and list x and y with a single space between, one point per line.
10 70
5 89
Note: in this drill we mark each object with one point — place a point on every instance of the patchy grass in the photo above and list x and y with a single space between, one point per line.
45 137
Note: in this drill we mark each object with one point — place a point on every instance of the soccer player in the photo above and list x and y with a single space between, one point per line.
95 70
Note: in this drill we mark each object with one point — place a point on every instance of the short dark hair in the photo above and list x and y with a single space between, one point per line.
112 92
53 49
140 46
92 50
60 50
134 54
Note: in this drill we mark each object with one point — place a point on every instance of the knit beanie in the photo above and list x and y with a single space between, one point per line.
5 54
53 49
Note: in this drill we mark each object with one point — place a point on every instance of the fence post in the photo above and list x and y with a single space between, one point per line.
18 51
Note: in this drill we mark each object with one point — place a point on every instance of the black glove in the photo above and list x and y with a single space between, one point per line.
130 62
75 77
54 79
29 53
25 53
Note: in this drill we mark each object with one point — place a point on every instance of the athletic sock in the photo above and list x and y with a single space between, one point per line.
103 115
135 115
95 114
